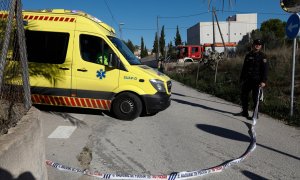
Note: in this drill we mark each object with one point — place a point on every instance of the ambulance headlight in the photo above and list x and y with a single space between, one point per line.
158 85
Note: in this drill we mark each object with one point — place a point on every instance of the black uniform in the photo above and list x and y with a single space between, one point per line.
255 71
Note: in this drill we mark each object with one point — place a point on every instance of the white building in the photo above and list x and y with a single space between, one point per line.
233 29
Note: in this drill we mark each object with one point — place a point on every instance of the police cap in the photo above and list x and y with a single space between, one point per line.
257 42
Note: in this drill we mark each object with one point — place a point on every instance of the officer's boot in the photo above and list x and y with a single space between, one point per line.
245 113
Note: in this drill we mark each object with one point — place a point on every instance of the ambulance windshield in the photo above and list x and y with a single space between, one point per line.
130 57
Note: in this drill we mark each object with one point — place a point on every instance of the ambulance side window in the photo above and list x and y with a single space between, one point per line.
47 47
94 49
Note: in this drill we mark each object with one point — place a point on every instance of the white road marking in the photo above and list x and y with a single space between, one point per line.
62 132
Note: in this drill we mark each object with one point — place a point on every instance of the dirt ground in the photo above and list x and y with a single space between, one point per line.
10 114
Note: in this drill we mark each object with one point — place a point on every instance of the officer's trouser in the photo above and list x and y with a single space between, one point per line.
247 87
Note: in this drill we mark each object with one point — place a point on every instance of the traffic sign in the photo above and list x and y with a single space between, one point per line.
292 31
293 26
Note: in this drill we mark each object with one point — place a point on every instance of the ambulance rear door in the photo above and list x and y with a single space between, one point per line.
50 61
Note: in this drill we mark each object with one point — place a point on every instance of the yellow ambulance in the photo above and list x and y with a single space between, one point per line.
76 60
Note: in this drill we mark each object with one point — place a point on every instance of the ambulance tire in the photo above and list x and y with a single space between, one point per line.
127 106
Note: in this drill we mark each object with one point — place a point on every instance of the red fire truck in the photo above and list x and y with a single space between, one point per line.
190 52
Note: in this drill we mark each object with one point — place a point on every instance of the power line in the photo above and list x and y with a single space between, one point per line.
151 29
201 13
229 2
141 29
154 29
235 22
184 16
168 28
178 28
191 15
112 16
267 13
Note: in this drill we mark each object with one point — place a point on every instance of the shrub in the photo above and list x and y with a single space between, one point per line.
276 94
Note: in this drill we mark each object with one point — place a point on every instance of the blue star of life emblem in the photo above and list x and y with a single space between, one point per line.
101 74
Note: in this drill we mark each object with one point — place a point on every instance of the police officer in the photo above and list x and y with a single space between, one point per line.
253 76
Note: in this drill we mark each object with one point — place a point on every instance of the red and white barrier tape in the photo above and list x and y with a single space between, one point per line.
175 175
172 176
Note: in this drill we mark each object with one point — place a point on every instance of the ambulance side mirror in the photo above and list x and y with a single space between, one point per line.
111 60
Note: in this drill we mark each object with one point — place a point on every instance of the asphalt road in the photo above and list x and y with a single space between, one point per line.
197 131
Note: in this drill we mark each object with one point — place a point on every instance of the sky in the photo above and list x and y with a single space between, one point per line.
139 18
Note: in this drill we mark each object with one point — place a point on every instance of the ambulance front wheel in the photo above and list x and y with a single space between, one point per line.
127 106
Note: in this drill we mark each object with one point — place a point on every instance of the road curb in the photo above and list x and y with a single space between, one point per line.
22 149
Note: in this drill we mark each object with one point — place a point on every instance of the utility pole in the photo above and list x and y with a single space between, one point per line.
220 32
225 52
120 29
213 26
249 38
229 19
157 35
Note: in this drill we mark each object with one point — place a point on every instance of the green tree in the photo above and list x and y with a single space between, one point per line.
256 34
145 53
154 50
245 44
273 33
170 47
142 47
162 42
171 51
178 40
130 46
274 25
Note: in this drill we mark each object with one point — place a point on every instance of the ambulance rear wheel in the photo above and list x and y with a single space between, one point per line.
127 106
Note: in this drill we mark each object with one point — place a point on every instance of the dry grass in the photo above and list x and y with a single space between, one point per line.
277 93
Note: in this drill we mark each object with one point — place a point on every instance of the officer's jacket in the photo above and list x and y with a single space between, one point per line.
255 67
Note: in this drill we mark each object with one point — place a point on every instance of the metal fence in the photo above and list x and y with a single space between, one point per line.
15 98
